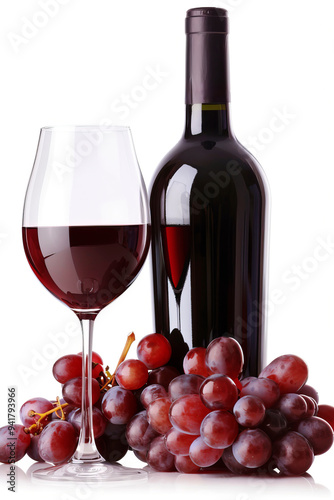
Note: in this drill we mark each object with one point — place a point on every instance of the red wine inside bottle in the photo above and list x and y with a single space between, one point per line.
209 214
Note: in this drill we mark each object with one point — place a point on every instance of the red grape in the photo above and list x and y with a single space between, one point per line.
177 442
185 464
158 415
14 443
132 374
184 384
312 406
32 450
72 391
113 444
186 414
326 412
67 367
252 448
96 358
57 442
141 455
245 380
308 390
274 423
99 421
163 376
154 350
232 464
112 448
224 356
119 405
97 370
288 371
318 432
219 429
264 388
97 364
38 405
293 454
194 362
219 392
158 457
249 411
98 403
292 406
139 433
115 431
202 454
152 392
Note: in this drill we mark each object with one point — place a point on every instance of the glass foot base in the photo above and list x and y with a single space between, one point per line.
88 473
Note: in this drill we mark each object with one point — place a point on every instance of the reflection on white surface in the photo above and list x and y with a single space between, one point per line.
5 476
168 485
241 487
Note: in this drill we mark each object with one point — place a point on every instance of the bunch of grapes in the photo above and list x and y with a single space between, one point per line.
50 428
207 417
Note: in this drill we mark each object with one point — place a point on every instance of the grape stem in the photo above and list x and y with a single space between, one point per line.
62 416
111 380
36 427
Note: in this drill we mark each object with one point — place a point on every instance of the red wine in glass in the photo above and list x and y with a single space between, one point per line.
176 253
86 267
176 245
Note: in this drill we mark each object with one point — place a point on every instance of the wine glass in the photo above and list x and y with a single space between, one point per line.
176 245
86 233
175 231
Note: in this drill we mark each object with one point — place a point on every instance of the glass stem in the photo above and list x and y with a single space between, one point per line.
86 451
178 309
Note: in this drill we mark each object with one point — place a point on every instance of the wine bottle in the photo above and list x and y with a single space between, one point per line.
209 213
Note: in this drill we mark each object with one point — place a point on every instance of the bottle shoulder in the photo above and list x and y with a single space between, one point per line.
204 157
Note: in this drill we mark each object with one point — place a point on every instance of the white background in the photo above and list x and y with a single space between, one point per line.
81 65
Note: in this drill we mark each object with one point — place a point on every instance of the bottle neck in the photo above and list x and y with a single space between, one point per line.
207 120
207 79
207 85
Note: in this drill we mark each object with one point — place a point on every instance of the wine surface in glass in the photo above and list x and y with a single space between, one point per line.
86 267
